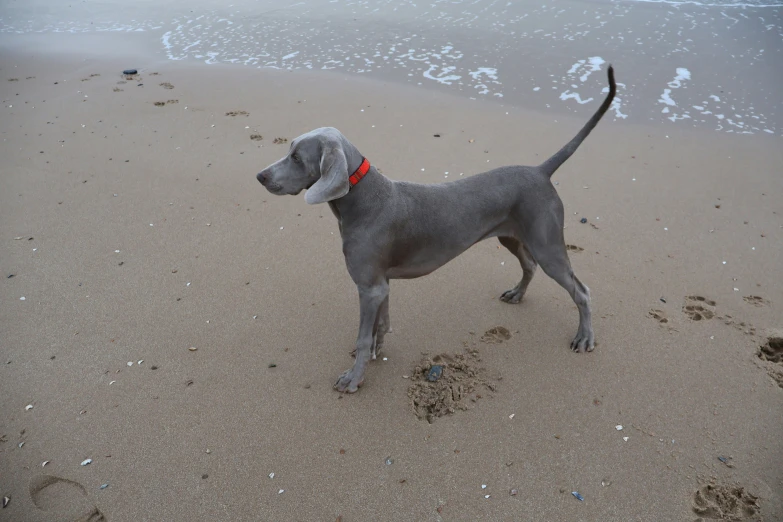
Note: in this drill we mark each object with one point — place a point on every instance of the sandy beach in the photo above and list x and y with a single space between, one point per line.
171 331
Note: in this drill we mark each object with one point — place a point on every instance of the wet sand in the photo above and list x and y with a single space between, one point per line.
142 232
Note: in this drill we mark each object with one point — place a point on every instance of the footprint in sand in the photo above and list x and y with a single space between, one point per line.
256 137
738 324
697 308
772 352
237 113
718 502
658 315
496 335
63 499
755 300
574 248
166 85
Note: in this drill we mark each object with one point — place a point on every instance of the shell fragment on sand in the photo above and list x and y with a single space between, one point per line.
86 462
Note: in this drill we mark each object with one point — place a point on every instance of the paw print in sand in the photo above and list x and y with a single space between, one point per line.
755 300
496 335
658 315
772 354
698 308
720 502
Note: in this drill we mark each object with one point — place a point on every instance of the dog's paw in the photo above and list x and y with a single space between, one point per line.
583 342
349 381
512 296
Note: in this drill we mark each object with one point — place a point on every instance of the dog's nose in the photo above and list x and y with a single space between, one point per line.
261 177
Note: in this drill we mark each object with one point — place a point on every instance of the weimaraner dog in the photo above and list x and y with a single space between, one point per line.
400 230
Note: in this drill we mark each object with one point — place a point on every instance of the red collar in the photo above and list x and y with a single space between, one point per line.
362 171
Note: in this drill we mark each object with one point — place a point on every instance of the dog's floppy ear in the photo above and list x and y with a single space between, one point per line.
334 182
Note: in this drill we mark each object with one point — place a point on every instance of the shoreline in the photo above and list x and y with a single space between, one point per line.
675 71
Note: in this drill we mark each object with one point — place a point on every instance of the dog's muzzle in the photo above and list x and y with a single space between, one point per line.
270 185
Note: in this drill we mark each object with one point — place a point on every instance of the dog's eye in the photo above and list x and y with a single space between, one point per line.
296 157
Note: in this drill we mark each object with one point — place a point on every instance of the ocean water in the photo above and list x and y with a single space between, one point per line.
712 64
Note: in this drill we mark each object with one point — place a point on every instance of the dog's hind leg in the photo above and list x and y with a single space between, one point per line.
553 259
529 266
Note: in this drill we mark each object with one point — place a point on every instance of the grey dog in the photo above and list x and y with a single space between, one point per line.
400 230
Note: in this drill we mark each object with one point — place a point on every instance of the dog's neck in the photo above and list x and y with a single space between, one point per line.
364 197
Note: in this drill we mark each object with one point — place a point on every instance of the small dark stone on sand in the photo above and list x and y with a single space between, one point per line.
436 370
129 72
272 365
583 220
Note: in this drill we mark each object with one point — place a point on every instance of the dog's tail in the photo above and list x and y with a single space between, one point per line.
552 164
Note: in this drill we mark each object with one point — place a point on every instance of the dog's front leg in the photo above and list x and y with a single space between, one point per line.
382 328
371 297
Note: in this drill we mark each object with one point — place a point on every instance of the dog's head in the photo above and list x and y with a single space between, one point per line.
316 162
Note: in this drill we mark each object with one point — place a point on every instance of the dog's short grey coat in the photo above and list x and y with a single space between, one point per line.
394 229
